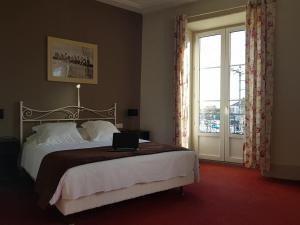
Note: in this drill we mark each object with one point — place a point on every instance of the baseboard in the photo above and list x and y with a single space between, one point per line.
220 162
288 172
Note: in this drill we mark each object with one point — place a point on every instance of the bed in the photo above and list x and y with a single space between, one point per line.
99 183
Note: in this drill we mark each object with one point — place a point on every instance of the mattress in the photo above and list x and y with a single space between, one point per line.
106 176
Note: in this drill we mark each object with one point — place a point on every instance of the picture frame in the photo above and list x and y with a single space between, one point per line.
72 61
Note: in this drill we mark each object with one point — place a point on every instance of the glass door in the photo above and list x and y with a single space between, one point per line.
221 77
236 100
211 126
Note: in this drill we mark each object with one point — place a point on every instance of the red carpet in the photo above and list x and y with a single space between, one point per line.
226 195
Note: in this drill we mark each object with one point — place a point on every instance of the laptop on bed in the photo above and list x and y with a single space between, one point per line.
125 141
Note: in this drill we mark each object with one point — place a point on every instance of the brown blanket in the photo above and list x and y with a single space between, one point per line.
55 164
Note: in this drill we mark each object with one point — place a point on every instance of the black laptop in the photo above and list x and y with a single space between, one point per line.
125 141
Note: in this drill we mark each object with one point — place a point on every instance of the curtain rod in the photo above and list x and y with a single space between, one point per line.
217 11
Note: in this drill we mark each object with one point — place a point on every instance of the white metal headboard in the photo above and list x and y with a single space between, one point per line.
67 113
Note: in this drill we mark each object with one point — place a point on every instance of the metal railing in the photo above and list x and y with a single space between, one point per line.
210 123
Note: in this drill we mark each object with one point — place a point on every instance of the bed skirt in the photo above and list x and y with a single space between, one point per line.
67 207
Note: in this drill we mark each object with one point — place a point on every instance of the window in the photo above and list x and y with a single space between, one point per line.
237 82
210 75
218 86
222 80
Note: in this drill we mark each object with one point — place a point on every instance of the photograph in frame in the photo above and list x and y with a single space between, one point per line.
72 61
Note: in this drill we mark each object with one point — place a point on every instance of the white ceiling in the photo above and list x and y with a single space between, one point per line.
144 6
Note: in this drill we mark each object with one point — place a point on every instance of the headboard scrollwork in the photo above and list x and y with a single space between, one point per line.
63 114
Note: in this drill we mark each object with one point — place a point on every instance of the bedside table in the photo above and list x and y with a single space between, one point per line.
9 155
143 134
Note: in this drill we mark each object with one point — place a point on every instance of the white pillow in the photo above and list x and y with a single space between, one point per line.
100 130
84 134
57 133
31 138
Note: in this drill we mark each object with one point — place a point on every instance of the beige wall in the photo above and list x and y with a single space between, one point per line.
25 26
157 99
286 122
157 102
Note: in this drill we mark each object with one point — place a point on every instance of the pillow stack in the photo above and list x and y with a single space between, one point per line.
57 133
67 133
100 130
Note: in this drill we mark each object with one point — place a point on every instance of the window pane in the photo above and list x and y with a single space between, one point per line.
210 75
210 116
238 46
237 107
237 82
210 84
210 51
237 100
210 106
237 117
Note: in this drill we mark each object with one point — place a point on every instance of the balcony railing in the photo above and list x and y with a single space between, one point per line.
210 123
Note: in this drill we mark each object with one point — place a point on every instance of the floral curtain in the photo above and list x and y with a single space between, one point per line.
182 90
260 25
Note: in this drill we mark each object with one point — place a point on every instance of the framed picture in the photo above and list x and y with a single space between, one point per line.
72 61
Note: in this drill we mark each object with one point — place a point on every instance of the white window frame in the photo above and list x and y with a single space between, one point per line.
225 84
197 37
228 63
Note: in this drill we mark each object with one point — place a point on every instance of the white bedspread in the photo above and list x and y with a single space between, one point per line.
110 175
